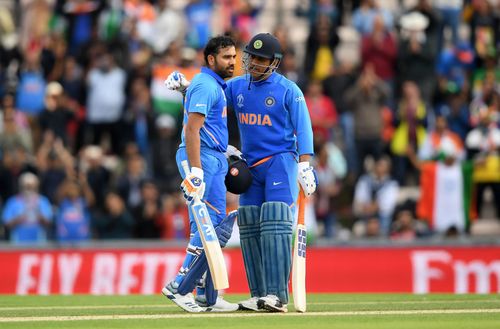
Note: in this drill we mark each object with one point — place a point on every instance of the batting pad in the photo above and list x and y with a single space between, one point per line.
276 245
199 271
249 225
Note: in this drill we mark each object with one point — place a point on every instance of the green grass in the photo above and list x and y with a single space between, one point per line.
356 311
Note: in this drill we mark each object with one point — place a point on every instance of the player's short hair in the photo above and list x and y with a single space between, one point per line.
215 44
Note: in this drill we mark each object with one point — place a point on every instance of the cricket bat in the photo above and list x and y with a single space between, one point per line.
211 245
299 259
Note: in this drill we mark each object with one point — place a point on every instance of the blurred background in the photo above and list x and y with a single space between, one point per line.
404 98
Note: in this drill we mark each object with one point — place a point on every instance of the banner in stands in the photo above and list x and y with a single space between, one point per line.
145 271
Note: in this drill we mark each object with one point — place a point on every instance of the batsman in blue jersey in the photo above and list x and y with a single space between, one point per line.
204 141
277 142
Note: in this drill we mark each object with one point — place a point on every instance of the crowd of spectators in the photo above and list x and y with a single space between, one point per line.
88 132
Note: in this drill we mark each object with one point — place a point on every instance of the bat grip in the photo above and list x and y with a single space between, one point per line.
185 167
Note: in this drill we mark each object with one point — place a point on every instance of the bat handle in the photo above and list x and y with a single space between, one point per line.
185 167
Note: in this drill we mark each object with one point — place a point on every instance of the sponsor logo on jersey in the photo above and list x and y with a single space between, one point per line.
254 119
269 101
300 99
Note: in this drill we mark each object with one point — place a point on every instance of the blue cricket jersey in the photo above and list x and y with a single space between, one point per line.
206 95
272 117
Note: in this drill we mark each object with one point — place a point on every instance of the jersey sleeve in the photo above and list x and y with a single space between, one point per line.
11 210
301 121
200 98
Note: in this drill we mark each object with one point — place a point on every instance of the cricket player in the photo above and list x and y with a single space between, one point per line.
277 143
203 143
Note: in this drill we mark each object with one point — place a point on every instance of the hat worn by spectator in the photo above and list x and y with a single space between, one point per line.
165 121
54 88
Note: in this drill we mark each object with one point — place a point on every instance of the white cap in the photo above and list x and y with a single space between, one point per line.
165 121
28 179
93 152
448 148
414 21
54 88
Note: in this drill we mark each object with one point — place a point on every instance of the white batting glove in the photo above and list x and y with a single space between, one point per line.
177 81
193 184
233 151
307 178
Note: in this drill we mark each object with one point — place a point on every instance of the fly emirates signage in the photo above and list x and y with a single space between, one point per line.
343 269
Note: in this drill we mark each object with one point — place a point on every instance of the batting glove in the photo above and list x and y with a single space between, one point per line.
307 178
232 151
193 184
177 81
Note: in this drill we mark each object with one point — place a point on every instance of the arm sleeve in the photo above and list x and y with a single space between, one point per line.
300 120
200 99
11 211
45 208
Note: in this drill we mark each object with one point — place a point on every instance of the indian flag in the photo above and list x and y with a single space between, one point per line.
446 193
166 100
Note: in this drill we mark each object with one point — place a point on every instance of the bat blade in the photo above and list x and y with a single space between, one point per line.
211 245
299 260
213 251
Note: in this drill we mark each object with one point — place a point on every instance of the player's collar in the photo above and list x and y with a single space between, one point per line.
214 75
270 79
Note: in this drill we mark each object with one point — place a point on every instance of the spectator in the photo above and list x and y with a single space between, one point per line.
431 146
31 88
116 222
105 100
417 55
484 35
56 116
335 86
410 130
483 145
375 195
72 220
404 225
453 68
174 219
364 16
331 169
366 99
54 163
28 214
451 15
98 176
129 184
319 8
168 27
379 49
147 213
456 111
139 117
198 14
321 110
12 134
320 49
164 147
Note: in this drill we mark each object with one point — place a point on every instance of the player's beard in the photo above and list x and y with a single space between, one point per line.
224 72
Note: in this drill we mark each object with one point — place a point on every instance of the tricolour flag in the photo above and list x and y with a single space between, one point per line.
446 194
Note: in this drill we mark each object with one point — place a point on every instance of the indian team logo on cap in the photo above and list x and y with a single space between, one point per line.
270 101
257 44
